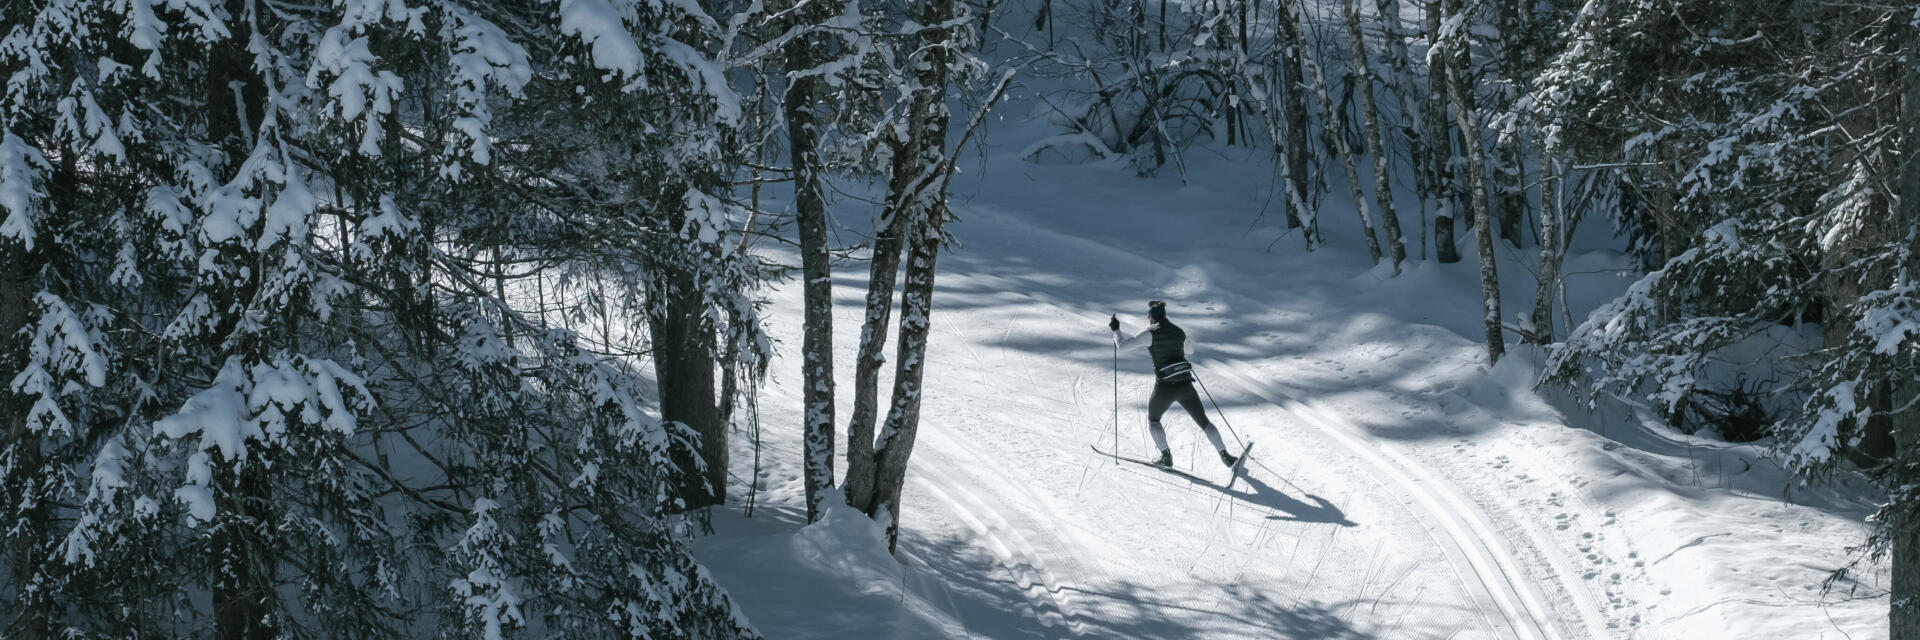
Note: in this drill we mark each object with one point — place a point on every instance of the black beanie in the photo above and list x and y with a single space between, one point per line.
1157 310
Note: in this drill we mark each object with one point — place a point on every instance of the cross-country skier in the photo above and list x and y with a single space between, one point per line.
1172 379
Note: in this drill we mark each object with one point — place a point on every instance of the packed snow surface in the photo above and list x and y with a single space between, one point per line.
1402 487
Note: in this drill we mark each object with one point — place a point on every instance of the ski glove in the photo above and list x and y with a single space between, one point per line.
1113 323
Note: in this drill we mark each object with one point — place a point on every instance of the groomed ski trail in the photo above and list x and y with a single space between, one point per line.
1480 556
1465 528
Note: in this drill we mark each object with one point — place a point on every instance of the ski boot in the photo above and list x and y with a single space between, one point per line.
1227 458
1165 461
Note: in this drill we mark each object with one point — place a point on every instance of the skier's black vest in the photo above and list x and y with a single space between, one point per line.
1169 351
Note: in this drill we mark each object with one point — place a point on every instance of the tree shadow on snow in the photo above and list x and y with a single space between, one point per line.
1131 610
952 586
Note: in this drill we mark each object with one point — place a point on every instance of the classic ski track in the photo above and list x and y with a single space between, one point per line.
1472 541
1492 564
1012 549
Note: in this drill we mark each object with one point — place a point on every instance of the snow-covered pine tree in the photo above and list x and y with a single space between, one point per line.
270 243
64 265
1769 158
1896 315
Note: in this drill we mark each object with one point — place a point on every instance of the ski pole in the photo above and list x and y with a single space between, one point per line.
1116 396
1216 409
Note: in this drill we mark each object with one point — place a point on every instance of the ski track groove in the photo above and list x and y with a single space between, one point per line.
1495 568
1012 551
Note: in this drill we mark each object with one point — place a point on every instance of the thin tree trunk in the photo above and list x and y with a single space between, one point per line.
1903 616
810 212
243 583
1336 116
1241 44
895 445
1412 111
873 335
1382 163
1283 158
1163 25
924 206
1287 21
1440 142
1512 207
1552 251
1476 179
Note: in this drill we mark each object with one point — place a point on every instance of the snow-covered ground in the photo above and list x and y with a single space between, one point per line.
1400 489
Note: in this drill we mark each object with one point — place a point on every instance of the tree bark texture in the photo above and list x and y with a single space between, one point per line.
923 228
1552 251
1291 48
1903 616
1439 135
1336 116
684 345
1376 147
1457 89
20 451
884 273
810 213
895 445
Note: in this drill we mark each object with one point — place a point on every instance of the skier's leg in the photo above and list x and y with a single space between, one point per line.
1213 435
1190 400
1163 397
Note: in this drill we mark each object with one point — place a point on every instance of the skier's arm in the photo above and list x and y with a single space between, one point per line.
1127 342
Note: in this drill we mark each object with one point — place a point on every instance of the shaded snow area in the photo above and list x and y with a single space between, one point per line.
1401 488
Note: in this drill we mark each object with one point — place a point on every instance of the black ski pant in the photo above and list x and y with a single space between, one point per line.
1167 393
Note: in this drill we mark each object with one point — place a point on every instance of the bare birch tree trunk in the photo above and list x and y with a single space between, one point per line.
1382 163
896 440
1412 111
1287 21
1457 69
810 213
912 158
1552 251
922 207
1336 116
1439 137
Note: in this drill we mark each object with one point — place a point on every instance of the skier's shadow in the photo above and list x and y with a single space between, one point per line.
1294 510
1291 509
